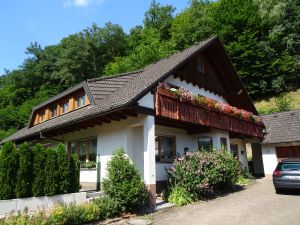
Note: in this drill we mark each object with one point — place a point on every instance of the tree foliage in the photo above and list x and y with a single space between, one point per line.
262 39
25 172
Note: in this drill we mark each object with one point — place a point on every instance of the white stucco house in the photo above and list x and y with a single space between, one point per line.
282 138
142 112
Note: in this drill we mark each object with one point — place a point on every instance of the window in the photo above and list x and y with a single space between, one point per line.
165 148
80 101
85 149
205 143
223 142
234 150
65 107
42 115
200 66
53 111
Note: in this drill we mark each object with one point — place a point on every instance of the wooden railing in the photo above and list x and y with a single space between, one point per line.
168 106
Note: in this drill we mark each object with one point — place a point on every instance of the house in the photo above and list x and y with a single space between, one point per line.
142 112
282 139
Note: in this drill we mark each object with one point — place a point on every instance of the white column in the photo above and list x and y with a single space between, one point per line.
149 151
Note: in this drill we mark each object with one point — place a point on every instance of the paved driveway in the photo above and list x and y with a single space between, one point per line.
256 205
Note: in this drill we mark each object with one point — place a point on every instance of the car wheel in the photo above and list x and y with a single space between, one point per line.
278 191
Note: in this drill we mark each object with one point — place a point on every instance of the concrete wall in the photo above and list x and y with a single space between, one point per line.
34 203
194 89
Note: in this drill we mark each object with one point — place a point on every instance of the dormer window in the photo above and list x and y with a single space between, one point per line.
53 111
200 66
65 107
42 115
80 101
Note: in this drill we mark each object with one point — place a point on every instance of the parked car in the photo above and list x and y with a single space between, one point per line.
287 175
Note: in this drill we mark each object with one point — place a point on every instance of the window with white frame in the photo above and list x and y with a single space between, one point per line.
165 148
80 101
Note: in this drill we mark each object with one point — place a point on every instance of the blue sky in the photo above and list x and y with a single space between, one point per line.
48 21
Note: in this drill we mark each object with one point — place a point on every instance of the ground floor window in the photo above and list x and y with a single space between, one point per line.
223 142
165 148
205 143
86 150
234 150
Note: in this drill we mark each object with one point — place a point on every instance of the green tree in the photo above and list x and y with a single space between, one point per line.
51 173
124 182
283 103
25 172
74 174
8 171
63 169
39 160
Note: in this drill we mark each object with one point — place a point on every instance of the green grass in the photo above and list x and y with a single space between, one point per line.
270 103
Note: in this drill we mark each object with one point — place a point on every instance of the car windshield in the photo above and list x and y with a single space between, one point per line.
290 166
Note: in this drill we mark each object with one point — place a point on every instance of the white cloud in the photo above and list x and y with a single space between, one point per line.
80 3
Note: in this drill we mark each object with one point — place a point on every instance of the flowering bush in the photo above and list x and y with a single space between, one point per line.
202 173
185 95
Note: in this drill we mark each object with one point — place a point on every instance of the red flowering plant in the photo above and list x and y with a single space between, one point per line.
185 95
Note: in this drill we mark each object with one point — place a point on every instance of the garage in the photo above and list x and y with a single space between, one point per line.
281 139
288 152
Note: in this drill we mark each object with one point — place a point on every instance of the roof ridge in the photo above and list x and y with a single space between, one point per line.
115 75
284 112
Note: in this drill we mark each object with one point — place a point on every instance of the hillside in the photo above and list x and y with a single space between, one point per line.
269 104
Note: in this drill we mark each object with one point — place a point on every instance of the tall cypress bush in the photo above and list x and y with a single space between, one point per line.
25 172
39 159
8 171
51 173
63 169
74 174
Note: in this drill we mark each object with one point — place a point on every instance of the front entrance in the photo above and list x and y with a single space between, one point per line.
288 152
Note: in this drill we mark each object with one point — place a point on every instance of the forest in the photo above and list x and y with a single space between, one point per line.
261 37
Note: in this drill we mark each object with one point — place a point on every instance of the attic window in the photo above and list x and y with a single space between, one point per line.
80 101
200 66
42 116
65 107
53 111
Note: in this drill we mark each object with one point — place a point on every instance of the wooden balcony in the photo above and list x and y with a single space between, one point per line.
170 107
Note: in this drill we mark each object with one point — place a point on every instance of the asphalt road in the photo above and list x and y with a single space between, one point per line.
257 204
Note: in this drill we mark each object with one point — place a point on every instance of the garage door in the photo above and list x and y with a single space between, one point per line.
288 152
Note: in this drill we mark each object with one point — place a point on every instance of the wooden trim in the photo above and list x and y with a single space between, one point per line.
145 110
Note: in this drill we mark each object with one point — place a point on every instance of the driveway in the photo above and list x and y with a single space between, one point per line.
257 204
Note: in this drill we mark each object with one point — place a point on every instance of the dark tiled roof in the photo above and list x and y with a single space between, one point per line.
113 93
282 127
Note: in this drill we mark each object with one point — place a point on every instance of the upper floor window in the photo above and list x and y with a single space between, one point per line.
42 115
80 101
53 111
65 107
200 66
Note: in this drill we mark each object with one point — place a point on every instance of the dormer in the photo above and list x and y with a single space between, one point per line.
61 104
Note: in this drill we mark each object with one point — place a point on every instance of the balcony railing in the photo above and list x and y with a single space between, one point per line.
168 105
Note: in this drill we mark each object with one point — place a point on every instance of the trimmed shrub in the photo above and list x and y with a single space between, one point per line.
8 171
91 212
39 160
202 173
63 169
108 207
51 173
124 183
179 196
67 215
74 174
25 172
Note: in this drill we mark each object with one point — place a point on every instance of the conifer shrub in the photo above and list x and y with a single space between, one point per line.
63 169
8 171
124 183
51 173
39 160
25 172
74 170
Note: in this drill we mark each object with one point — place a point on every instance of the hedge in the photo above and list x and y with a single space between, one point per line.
27 172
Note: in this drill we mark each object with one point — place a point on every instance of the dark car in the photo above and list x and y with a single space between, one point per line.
287 175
